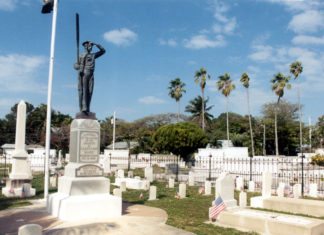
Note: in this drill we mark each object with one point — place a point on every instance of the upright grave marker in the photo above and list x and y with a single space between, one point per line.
19 182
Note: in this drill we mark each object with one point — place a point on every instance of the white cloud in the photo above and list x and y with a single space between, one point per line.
18 72
261 53
307 40
307 22
202 41
169 42
8 5
223 24
151 100
121 37
298 5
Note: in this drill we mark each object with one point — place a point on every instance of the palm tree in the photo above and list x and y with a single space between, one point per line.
176 89
245 79
296 69
201 77
225 85
279 82
194 107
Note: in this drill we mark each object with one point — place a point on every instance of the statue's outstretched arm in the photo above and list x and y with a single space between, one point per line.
101 50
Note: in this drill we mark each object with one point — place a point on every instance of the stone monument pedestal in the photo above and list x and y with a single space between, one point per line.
83 192
19 182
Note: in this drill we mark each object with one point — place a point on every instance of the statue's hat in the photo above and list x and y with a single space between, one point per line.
86 43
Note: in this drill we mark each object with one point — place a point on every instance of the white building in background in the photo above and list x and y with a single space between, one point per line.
227 152
33 149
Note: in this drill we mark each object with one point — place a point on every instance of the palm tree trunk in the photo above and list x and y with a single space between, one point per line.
227 123
178 111
250 121
276 128
300 123
203 110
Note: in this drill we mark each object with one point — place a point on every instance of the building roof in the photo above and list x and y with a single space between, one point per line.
123 145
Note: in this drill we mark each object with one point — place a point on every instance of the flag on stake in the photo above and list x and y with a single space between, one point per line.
218 207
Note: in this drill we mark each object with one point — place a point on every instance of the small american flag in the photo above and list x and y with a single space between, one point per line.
218 207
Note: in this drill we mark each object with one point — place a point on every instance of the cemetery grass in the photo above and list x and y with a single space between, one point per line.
189 214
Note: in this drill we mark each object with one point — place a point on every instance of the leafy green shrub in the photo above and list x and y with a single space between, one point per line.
180 139
318 159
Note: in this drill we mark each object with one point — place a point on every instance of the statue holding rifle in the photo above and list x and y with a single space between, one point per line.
85 66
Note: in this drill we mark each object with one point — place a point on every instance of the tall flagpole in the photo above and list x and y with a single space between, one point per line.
114 130
49 102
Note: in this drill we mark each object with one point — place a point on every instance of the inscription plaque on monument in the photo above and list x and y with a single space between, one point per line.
89 171
89 146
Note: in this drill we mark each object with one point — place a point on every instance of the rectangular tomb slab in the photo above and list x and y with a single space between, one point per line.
291 205
270 223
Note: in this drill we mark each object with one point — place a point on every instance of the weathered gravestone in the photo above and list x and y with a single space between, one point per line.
225 189
182 190
152 193
208 187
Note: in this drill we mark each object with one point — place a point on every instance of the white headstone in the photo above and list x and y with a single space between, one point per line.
281 191
53 180
225 189
120 173
243 199
297 190
251 186
266 184
130 174
182 190
148 172
106 164
152 195
208 187
171 183
313 190
117 192
146 184
30 229
191 180
59 160
137 177
123 186
239 183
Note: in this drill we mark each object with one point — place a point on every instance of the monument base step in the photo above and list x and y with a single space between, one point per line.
269 223
83 207
291 205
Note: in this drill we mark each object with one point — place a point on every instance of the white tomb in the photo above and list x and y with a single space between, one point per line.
83 192
133 183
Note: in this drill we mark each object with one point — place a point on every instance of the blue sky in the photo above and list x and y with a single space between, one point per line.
150 42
